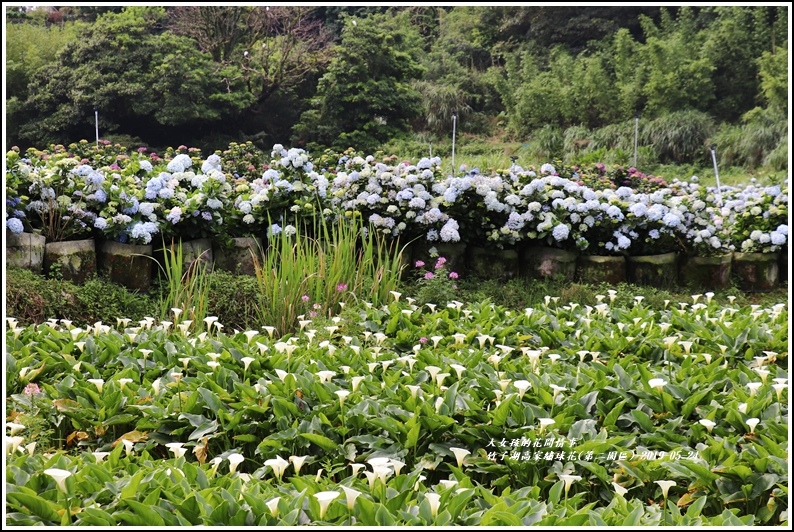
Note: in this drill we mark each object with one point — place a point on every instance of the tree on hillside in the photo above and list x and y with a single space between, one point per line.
140 81
365 98
270 53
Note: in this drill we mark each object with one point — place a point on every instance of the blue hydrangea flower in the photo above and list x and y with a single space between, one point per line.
83 170
95 178
132 209
560 232
15 225
147 208
143 231
175 215
449 232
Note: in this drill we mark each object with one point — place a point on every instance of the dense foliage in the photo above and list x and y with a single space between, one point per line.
396 414
341 76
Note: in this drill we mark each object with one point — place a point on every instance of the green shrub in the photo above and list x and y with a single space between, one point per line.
31 298
234 299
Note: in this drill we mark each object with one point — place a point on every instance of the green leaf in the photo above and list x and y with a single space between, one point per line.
633 519
643 420
501 413
413 434
190 510
96 517
763 483
213 401
612 417
693 401
500 518
556 491
35 504
323 442
595 520
588 400
151 517
696 507
365 511
130 491
203 430
120 419
383 517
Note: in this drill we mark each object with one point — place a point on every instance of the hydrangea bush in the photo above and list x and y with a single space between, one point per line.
141 196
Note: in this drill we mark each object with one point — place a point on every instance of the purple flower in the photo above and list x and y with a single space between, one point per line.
305 298
423 340
420 264
453 275
341 287
429 275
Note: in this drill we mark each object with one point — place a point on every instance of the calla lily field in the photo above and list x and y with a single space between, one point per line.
400 414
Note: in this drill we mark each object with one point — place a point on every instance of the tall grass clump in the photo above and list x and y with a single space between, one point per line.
763 131
576 140
679 137
613 136
309 273
187 289
549 143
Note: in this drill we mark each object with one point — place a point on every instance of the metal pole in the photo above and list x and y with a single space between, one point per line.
454 121
636 135
96 121
716 173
